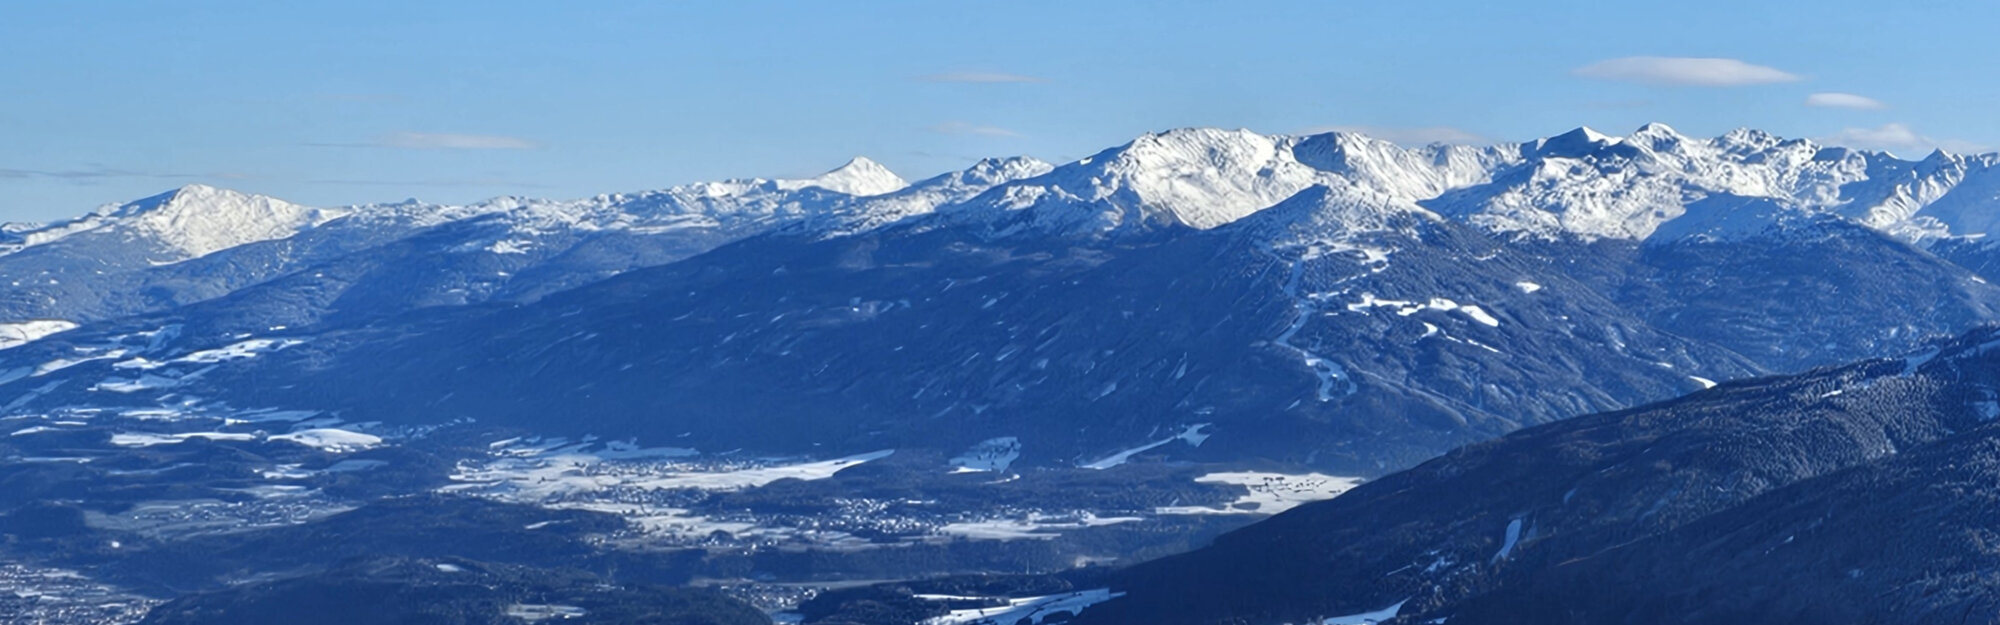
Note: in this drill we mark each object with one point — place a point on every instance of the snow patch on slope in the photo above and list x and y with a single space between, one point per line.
25 332
332 440
1191 434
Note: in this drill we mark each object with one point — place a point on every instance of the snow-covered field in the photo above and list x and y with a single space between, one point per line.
538 612
537 471
1270 493
1032 526
1031 610
148 439
636 483
331 439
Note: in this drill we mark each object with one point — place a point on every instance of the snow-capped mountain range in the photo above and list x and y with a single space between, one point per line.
198 242
1582 183
198 220
1332 300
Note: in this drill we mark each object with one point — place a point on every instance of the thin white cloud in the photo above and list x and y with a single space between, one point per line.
452 141
965 128
1899 139
979 78
1421 135
1835 100
487 182
95 172
1685 71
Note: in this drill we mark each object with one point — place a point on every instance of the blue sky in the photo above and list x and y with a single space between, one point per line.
358 101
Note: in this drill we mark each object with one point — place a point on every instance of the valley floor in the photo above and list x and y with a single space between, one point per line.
111 507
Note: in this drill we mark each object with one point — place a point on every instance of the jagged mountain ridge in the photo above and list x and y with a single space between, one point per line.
199 243
197 219
1580 184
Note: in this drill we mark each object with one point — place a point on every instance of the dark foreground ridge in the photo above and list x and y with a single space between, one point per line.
1860 493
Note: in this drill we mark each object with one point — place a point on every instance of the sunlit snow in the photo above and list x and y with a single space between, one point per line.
1192 434
1270 493
22 333
1029 610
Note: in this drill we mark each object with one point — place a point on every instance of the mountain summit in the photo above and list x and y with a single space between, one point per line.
189 222
198 220
859 177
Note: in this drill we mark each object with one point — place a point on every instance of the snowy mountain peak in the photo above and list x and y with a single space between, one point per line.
156 202
188 222
1938 159
1657 137
997 170
1577 143
1747 139
1180 141
1203 178
197 220
1194 177
925 196
1594 136
859 177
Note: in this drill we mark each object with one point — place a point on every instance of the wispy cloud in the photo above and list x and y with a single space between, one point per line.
430 182
1900 139
1421 135
453 141
980 77
94 173
1685 71
1834 100
437 141
967 128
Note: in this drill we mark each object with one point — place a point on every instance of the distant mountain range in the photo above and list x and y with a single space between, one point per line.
1329 300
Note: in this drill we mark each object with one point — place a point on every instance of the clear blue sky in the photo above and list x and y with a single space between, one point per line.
363 100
